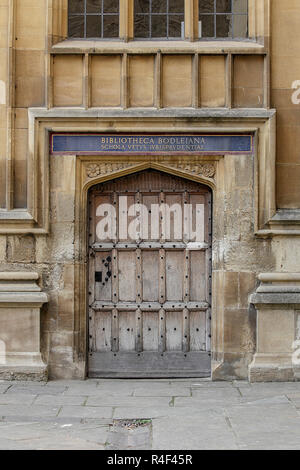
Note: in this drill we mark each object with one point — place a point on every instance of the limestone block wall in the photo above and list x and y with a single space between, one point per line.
285 70
40 68
4 90
151 80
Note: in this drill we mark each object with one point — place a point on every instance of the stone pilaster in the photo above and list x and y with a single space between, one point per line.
20 302
277 301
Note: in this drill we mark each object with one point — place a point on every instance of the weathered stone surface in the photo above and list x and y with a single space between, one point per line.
20 303
21 249
84 86
219 415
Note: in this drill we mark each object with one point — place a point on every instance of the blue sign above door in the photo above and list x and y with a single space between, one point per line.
150 144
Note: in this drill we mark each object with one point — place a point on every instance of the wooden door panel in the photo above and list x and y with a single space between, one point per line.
127 331
174 331
101 205
198 276
124 210
198 331
174 227
151 202
149 282
174 275
127 276
102 331
150 331
150 276
103 277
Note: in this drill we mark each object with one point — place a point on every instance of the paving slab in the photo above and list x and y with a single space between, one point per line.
128 401
270 389
206 431
185 413
162 390
59 400
17 399
32 389
160 412
97 412
28 410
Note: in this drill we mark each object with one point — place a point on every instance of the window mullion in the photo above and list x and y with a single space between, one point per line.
102 19
215 19
168 12
150 19
84 20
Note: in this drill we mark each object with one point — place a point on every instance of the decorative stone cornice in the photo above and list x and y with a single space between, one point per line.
97 169
207 170
277 288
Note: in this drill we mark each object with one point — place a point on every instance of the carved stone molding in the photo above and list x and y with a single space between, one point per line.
201 169
207 170
96 169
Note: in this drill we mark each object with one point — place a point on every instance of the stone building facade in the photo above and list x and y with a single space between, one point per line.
204 70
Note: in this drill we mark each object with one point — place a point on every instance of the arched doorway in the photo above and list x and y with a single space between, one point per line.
149 277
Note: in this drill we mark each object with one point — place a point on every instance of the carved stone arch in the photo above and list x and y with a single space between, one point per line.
93 172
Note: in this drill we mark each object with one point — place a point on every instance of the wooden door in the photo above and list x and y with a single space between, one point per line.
149 281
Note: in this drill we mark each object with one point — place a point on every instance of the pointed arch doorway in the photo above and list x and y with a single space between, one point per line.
149 277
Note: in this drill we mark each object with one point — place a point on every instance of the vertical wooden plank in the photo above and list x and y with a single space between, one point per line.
151 203
187 276
198 276
199 230
174 276
103 288
127 276
138 215
115 330
115 276
150 331
162 331
91 292
162 276
208 329
162 218
173 217
150 276
186 330
115 198
102 331
125 218
98 201
139 279
174 331
138 330
198 331
127 334
186 217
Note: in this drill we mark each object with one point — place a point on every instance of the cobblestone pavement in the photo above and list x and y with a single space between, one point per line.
186 414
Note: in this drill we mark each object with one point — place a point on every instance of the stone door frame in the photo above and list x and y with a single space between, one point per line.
87 171
91 171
